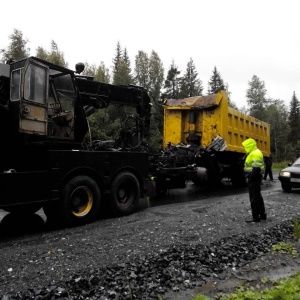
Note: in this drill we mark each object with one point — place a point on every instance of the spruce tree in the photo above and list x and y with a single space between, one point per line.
294 119
116 62
172 82
121 67
190 85
215 83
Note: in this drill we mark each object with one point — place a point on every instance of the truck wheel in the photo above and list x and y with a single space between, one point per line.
125 193
80 201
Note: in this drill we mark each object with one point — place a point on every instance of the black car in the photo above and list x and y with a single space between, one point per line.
290 176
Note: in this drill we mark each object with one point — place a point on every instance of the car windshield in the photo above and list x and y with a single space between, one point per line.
297 162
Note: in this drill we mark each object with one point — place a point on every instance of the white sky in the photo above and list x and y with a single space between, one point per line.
241 38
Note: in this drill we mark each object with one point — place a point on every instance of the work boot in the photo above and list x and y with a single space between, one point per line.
252 220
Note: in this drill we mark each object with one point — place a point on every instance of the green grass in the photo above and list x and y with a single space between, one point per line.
284 289
280 165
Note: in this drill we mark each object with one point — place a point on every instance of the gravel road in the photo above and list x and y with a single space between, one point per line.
185 242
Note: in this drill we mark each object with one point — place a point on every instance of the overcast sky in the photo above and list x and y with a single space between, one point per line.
241 38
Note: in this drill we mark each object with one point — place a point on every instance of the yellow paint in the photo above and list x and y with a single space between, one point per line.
192 127
37 111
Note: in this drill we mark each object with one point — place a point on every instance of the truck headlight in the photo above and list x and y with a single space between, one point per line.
285 174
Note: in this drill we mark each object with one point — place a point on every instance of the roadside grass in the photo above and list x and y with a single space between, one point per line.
284 289
280 165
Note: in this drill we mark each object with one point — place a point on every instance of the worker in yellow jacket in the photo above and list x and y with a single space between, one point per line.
254 168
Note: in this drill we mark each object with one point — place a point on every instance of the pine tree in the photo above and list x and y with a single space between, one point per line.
190 85
121 67
172 82
256 98
17 48
116 61
215 83
294 119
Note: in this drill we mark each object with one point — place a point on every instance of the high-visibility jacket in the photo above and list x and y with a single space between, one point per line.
255 158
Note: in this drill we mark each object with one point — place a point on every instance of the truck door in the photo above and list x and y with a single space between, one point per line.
34 98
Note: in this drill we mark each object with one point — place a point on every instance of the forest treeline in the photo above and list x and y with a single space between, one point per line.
148 71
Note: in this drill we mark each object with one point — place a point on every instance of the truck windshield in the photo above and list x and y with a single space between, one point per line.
35 84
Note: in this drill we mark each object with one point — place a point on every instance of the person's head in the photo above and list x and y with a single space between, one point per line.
249 145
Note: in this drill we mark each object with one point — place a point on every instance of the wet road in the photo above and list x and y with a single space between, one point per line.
11 224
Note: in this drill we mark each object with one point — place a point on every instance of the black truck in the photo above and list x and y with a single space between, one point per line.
44 110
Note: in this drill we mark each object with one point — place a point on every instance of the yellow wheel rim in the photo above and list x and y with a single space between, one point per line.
81 201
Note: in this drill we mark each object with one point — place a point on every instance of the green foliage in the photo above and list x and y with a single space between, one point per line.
283 247
142 77
156 77
285 289
276 116
100 73
256 98
215 83
103 126
294 119
280 165
121 67
54 55
190 84
200 297
172 82
17 48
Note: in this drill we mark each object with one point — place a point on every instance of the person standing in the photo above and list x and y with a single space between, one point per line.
254 167
268 167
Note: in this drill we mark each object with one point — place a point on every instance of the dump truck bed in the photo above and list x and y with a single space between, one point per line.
213 117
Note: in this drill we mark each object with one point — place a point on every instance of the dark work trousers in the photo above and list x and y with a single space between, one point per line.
268 171
256 199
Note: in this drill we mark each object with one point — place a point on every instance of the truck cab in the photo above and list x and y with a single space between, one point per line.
43 103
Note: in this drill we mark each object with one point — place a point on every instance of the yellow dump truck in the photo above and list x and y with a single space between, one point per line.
211 133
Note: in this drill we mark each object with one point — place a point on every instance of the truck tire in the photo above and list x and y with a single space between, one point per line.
79 204
125 193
